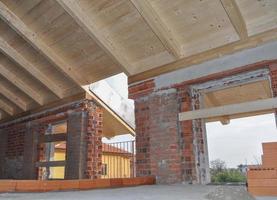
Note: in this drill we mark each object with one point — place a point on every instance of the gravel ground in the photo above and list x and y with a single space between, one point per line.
155 192
229 193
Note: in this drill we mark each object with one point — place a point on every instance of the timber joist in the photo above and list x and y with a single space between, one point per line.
50 49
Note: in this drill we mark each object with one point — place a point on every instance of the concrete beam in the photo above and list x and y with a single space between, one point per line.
221 64
247 107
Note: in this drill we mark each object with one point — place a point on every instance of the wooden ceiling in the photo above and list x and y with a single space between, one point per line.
50 48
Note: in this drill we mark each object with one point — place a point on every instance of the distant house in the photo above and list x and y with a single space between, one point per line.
116 162
243 168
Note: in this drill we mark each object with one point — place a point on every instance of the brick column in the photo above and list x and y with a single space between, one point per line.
30 151
3 149
94 141
76 146
172 151
273 76
194 141
157 138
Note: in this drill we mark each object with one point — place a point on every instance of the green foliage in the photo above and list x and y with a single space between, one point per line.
228 176
220 174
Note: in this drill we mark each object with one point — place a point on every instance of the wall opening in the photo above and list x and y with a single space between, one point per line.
52 155
239 143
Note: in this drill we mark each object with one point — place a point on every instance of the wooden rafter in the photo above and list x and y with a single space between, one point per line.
155 22
235 17
18 81
73 8
28 66
19 26
252 41
4 105
13 97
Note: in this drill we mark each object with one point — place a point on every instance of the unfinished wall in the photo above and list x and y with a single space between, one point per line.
22 149
273 75
176 151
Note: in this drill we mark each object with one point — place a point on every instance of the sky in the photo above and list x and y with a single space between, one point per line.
239 142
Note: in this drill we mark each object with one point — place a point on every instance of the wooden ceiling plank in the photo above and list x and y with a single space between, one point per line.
235 16
19 83
7 107
19 26
228 49
28 66
73 8
13 97
155 22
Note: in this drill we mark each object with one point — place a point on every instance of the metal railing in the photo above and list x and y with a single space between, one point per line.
118 160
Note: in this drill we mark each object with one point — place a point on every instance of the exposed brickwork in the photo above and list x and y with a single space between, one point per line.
94 141
141 89
3 148
161 139
186 131
157 138
16 132
273 75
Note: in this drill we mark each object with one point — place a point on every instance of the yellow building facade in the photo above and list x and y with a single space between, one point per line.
116 163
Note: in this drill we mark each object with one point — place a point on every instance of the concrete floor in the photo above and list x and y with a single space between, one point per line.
161 192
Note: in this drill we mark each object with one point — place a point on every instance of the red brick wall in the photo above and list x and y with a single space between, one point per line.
94 141
171 150
157 138
16 130
15 146
186 130
273 75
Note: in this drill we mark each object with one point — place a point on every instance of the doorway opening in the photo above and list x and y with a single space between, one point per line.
235 146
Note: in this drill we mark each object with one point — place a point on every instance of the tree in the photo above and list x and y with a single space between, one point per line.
220 173
218 166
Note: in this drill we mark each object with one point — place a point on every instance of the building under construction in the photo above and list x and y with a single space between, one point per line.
188 62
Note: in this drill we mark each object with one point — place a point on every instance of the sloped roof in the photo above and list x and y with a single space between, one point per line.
51 49
106 148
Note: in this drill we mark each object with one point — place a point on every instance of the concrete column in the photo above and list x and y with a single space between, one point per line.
76 145
30 151
3 148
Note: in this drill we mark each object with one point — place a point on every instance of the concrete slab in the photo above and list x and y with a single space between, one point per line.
161 192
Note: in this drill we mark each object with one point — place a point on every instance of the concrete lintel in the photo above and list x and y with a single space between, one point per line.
225 63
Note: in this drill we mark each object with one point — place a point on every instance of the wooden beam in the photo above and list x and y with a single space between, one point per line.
235 17
6 107
231 48
51 164
28 66
247 107
108 112
18 81
53 138
19 26
13 97
73 8
155 22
